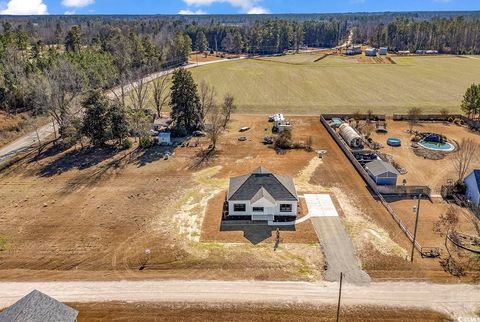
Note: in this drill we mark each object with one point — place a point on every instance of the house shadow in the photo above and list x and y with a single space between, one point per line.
254 232
75 159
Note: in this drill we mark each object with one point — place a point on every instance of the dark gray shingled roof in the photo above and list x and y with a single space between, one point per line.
379 167
247 186
38 307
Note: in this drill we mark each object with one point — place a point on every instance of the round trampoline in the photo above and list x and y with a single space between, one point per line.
394 142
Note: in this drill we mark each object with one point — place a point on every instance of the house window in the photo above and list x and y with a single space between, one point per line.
286 207
240 207
257 209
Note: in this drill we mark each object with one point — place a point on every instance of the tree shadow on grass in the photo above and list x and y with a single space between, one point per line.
75 159
203 158
151 155
91 179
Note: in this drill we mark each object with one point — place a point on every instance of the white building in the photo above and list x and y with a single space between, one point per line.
262 196
164 138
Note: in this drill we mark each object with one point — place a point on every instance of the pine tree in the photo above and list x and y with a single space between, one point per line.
73 39
471 100
201 42
96 120
185 101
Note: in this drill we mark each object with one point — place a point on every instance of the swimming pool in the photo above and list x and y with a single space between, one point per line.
394 142
437 146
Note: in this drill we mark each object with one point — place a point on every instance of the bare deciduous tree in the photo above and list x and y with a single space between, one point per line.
66 84
228 107
413 116
467 152
207 95
139 93
161 93
216 121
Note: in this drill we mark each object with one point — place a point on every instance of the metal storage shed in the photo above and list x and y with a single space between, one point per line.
383 173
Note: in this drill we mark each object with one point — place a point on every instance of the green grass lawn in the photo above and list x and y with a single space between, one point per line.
296 84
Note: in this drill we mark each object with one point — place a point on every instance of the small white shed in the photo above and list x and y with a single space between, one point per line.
164 138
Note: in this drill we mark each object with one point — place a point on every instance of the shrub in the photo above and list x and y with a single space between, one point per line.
284 140
126 144
146 142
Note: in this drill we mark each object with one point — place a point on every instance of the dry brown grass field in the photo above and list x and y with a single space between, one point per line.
118 311
92 214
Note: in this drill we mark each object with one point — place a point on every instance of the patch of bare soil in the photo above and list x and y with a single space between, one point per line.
421 171
14 126
118 311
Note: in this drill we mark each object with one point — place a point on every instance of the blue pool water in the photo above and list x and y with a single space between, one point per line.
437 146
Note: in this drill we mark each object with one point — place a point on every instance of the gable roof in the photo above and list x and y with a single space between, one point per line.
263 182
38 307
379 167
262 193
476 175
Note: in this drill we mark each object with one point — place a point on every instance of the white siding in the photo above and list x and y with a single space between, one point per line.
268 209
472 189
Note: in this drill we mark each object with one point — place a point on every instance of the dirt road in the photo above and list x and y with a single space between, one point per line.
30 139
458 300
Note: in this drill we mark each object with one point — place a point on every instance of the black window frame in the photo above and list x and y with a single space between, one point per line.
282 207
256 209
242 205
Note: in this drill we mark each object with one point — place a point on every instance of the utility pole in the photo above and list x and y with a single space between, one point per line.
339 297
416 226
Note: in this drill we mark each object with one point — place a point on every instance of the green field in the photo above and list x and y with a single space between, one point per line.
296 84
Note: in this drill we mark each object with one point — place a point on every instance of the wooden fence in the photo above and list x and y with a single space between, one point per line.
473 124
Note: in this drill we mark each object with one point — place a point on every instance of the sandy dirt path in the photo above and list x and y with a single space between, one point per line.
459 300
28 140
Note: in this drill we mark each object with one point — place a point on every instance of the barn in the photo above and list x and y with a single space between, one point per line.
383 173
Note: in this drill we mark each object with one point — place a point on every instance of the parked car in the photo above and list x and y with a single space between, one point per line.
244 129
242 138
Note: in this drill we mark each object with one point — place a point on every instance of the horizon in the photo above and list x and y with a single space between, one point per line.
227 7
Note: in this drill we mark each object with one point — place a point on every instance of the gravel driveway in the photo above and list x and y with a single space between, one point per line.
336 244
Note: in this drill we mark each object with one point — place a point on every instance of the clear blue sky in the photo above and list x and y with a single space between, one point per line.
227 6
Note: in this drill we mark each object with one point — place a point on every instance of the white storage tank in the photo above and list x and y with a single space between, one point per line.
350 136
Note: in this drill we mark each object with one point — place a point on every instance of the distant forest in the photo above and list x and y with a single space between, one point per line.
47 61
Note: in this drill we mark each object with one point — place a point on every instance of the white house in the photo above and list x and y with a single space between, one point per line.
472 181
262 195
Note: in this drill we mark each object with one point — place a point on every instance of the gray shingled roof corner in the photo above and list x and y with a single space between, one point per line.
38 307
247 186
379 167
